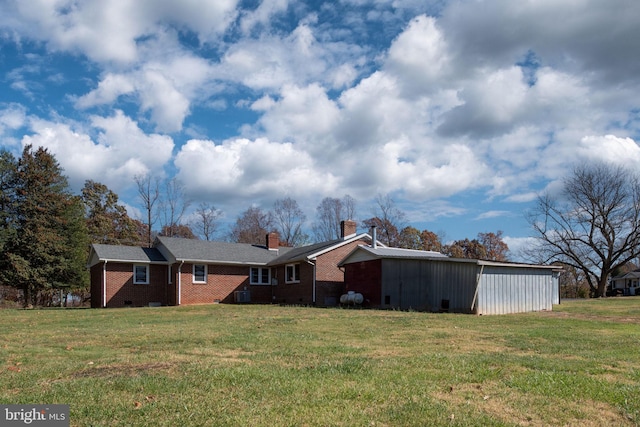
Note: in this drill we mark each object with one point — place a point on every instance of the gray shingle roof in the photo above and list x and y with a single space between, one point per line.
222 252
306 252
127 253
191 250
301 253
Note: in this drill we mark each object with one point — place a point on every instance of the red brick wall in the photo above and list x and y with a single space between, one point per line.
222 282
329 279
366 278
120 287
96 285
262 294
294 293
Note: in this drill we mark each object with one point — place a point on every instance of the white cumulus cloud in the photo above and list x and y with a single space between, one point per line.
120 151
243 168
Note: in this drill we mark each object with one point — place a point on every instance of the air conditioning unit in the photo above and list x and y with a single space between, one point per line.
242 297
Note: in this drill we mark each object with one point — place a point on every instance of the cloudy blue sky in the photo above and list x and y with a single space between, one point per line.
462 111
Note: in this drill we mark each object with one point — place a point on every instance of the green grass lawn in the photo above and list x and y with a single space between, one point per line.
287 366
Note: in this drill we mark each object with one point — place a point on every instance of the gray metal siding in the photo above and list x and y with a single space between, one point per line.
515 290
424 285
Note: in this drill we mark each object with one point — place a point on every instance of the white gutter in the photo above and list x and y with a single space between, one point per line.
180 283
211 262
130 261
104 284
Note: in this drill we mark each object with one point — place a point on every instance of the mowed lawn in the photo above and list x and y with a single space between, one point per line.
256 365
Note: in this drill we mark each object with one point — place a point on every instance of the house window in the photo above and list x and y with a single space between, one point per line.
260 276
292 273
199 273
141 274
169 273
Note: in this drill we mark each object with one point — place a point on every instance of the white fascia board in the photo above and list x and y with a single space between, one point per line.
130 261
208 261
313 256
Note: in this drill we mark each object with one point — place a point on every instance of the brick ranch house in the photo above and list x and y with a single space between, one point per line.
183 271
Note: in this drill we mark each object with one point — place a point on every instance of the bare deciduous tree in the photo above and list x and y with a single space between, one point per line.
289 220
149 194
173 205
388 219
594 226
252 226
329 213
205 223
348 207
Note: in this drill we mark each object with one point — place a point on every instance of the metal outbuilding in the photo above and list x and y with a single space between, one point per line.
430 281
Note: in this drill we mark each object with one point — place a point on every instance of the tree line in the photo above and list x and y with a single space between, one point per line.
592 228
288 220
43 233
45 229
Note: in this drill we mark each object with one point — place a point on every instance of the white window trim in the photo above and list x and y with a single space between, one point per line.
251 282
193 272
286 276
146 267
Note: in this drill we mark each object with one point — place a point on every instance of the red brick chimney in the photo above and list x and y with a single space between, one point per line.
347 228
273 240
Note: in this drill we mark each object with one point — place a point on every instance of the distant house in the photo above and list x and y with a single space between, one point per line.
627 283
184 271
430 281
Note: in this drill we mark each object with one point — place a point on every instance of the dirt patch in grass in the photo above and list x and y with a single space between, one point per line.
512 407
215 357
123 370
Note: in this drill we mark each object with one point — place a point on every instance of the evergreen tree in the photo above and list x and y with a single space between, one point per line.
8 167
107 221
48 249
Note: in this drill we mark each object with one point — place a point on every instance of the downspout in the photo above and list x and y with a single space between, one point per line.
104 284
180 283
475 295
313 293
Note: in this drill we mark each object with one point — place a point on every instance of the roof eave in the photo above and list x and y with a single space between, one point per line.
132 261
219 262
337 245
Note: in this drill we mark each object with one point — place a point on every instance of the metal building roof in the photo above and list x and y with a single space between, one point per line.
363 253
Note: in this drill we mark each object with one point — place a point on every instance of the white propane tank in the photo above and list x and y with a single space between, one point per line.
358 298
352 297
